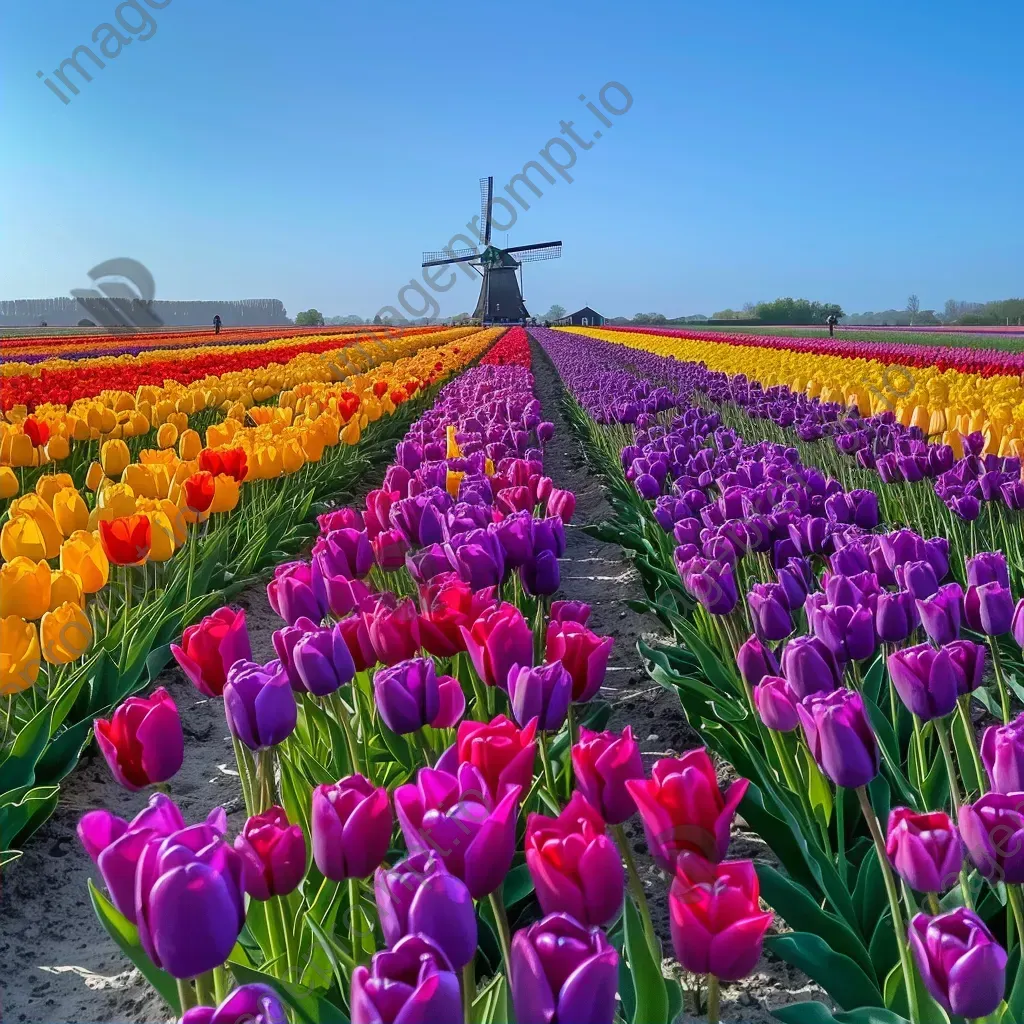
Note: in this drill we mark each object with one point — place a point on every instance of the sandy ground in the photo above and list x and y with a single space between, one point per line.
57 963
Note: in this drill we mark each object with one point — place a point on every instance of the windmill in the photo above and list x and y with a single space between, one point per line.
501 293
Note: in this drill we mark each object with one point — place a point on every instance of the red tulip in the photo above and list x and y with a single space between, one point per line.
199 490
210 647
502 754
127 539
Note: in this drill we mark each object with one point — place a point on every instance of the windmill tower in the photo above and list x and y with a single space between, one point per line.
501 292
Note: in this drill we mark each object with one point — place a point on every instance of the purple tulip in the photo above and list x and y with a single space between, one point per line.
478 557
293 593
259 704
940 614
987 567
810 667
189 901
569 611
116 845
419 895
993 832
1002 752
896 616
928 681
755 661
345 552
319 658
455 816
563 973
988 608
248 1004
543 693
540 575
848 631
351 828
919 578
840 737
427 563
714 586
408 695
769 610
776 704
925 849
961 964
413 983
273 854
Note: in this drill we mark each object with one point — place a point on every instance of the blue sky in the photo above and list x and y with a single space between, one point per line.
309 151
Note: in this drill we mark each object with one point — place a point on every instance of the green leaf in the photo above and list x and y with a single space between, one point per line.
18 768
890 747
1014 1012
518 885
816 1013
126 935
651 997
802 913
965 757
842 978
896 997
818 789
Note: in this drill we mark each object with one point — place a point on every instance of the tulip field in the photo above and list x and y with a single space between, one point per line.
441 806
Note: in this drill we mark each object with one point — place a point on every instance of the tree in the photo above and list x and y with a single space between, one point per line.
309 318
796 311
555 312
913 307
650 319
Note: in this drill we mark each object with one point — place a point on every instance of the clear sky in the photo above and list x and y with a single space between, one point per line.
310 150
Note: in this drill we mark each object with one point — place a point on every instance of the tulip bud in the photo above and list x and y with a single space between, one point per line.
412 983
65 634
715 917
392 626
142 741
755 661
840 737
248 1004
683 809
420 896
273 853
583 653
769 610
210 647
576 868
1002 752
776 704
896 616
993 832
925 849
927 680
259 704
320 659
351 827
603 763
961 964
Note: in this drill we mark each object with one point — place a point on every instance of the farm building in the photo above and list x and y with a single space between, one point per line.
585 317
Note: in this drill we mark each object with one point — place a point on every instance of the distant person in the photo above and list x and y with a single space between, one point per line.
832 321
216 324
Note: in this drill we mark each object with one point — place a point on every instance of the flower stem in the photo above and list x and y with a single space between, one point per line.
571 725
545 757
205 989
964 707
244 775
504 935
346 727
355 920
947 756
468 990
714 999
186 994
894 902
997 668
636 887
1013 897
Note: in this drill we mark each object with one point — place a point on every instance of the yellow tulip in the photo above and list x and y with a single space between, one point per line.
190 444
50 483
19 655
123 402
34 506
454 451
226 493
142 481
79 428
452 481
294 460
350 432
16 450
70 510
108 420
114 457
57 448
83 555
167 435
65 586
313 444
24 587
21 535
95 477
66 634
162 532
8 483
176 518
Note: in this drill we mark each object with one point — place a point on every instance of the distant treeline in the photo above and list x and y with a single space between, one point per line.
113 313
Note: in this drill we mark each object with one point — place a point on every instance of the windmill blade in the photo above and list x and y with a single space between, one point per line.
440 256
486 204
536 252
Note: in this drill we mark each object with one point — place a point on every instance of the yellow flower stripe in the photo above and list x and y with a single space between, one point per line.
55 523
943 403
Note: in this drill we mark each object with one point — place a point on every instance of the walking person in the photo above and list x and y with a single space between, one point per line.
216 323
832 320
